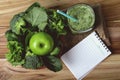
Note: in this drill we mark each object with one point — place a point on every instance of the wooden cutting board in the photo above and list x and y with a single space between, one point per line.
72 39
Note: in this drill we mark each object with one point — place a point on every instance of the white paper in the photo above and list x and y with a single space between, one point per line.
84 56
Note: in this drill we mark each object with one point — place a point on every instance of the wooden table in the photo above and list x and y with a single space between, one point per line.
109 69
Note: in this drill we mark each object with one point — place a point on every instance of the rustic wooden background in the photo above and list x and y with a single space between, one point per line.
109 69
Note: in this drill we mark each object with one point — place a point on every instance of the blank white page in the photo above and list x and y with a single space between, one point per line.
84 56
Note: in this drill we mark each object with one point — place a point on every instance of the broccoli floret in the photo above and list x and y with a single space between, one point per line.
32 61
17 23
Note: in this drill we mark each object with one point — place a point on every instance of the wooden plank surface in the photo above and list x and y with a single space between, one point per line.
107 70
8 72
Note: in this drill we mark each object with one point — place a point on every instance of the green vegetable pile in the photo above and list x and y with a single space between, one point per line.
23 25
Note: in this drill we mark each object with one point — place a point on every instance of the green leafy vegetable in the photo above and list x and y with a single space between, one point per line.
53 63
23 26
17 23
32 61
15 54
36 4
55 51
56 22
27 38
11 36
37 17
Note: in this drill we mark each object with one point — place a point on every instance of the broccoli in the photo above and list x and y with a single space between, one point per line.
17 23
32 61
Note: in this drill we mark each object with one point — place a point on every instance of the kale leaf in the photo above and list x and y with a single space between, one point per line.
37 17
36 4
53 63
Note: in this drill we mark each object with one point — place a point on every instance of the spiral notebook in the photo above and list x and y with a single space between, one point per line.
84 56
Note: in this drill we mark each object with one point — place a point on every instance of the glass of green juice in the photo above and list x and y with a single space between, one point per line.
85 16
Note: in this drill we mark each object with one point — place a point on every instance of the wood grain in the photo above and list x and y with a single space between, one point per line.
8 8
107 70
8 72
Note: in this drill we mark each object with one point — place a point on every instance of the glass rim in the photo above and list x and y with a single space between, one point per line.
93 22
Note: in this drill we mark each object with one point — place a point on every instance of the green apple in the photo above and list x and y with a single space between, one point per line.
41 43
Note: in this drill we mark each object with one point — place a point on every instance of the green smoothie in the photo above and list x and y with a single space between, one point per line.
85 18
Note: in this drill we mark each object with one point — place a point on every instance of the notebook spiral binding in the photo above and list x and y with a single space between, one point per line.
102 42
